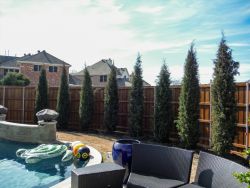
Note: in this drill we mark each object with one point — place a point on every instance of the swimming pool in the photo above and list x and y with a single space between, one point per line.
15 173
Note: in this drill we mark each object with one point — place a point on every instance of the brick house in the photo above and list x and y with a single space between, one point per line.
100 71
30 66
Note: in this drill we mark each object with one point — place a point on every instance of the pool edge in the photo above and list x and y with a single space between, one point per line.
97 159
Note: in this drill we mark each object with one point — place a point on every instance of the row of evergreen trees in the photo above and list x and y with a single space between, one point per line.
223 102
187 123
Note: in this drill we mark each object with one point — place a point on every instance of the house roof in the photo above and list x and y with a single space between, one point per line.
102 67
121 70
43 57
10 63
73 80
4 58
40 57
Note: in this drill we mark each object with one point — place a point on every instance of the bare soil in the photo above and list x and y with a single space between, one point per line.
104 144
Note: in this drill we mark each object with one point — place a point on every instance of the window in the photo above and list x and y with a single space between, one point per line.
10 70
5 71
37 67
103 78
52 69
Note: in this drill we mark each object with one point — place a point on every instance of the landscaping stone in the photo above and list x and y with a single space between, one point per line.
2 117
47 115
3 110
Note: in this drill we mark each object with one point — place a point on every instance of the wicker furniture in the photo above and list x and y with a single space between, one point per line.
156 166
216 172
104 175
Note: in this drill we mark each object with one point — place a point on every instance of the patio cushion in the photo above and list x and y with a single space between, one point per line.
191 185
141 181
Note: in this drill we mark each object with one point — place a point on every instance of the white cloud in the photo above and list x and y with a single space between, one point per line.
73 31
208 48
86 30
149 10
239 44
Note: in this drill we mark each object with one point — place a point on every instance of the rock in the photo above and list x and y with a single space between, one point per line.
47 115
3 110
2 117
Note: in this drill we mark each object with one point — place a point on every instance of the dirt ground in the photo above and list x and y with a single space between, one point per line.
104 144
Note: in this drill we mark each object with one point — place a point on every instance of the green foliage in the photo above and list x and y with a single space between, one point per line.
188 116
111 102
243 177
246 155
41 93
136 101
223 99
86 101
163 108
246 152
63 101
15 79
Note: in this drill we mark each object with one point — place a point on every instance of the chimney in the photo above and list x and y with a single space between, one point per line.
38 51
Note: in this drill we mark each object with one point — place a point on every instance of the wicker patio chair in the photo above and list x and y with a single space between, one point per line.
104 175
216 172
156 166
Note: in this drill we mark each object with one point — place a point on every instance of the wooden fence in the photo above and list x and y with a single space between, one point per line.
20 102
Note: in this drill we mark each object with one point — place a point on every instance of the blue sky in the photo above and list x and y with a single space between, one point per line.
83 30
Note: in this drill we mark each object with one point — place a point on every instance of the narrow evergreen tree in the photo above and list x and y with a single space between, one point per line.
136 101
111 102
163 108
41 93
188 116
223 99
63 101
86 101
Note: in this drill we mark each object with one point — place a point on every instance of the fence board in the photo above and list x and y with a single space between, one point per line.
13 100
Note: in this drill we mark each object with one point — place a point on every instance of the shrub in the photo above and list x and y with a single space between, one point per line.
41 101
223 99
243 177
163 109
15 79
63 101
136 101
111 102
86 101
188 116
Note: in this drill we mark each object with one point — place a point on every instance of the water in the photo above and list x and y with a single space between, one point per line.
15 173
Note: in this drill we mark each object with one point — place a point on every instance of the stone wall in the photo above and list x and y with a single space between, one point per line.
28 133
52 77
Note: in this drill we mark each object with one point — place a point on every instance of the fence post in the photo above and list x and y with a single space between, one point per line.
247 110
210 114
3 95
154 98
23 104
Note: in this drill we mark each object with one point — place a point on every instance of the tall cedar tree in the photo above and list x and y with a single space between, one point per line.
86 101
111 102
136 101
163 109
188 116
63 101
223 99
41 93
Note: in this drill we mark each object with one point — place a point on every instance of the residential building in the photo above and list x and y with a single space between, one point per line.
99 73
30 66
